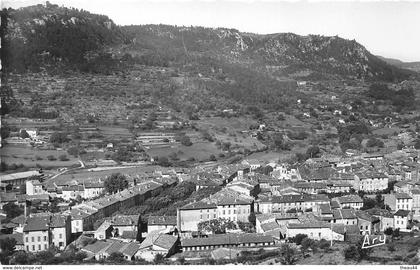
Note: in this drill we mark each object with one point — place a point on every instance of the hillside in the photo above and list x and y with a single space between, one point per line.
39 37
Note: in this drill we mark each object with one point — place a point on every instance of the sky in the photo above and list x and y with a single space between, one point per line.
386 28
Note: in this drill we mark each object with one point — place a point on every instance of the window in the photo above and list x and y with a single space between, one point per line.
33 247
60 236
26 239
46 246
214 215
33 239
39 247
39 238
223 212
45 238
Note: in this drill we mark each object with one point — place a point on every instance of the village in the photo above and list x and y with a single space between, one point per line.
252 205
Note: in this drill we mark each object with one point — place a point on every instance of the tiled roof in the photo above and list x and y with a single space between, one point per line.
269 226
58 221
130 249
37 224
344 214
349 199
199 205
402 213
299 198
325 209
97 246
227 239
19 220
165 241
117 246
348 229
94 185
402 196
125 220
129 234
319 224
161 220
364 215
8 197
379 212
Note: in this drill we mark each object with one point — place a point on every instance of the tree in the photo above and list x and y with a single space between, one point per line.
159 258
24 134
12 210
216 226
388 231
115 182
22 258
7 246
58 138
308 243
212 158
288 254
350 253
74 151
116 257
298 238
185 140
313 151
63 157
4 130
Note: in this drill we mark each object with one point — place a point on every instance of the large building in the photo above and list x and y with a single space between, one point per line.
42 232
282 204
371 181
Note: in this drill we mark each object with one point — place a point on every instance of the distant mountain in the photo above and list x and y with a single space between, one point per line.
50 36
284 54
414 66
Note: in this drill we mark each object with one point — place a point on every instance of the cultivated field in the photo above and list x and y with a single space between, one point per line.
30 157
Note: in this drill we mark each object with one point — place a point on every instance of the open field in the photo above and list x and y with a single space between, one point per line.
30 157
199 151
114 132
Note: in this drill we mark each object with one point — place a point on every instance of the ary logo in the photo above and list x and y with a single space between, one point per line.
373 241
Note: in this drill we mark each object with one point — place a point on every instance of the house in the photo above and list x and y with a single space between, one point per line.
36 234
365 222
349 201
157 243
285 203
314 230
371 181
17 179
310 187
161 222
386 218
344 216
60 231
401 219
19 222
93 189
191 214
228 241
125 223
34 187
415 194
7 197
397 201
103 248
104 231
72 192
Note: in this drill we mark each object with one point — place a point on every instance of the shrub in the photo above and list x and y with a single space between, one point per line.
51 157
63 157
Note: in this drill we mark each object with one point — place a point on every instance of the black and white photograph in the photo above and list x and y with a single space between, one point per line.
197 133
